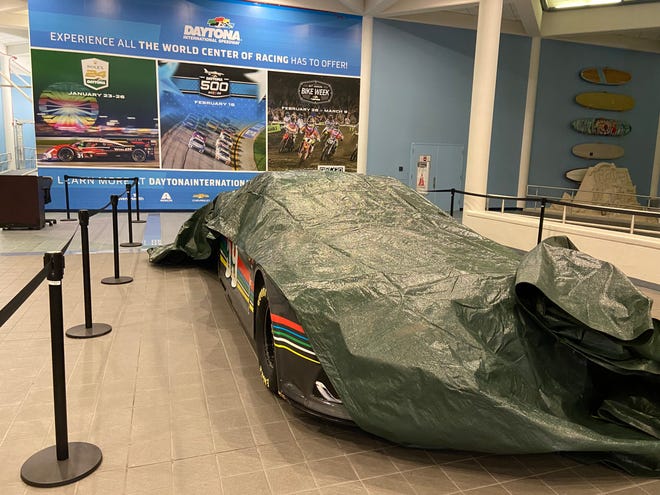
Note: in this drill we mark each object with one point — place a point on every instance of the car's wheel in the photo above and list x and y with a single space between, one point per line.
138 155
265 343
65 154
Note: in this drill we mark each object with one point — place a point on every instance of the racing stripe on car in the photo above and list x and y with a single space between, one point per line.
244 283
291 337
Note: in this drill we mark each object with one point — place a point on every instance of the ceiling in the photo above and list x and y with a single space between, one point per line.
635 27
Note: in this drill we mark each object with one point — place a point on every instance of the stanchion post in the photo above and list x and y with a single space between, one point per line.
137 201
66 199
129 210
89 329
451 206
114 199
541 217
64 462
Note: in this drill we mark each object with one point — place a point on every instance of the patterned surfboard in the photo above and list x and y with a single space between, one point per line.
605 75
601 127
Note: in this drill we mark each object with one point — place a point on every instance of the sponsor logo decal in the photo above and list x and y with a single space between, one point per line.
333 168
96 73
166 198
315 92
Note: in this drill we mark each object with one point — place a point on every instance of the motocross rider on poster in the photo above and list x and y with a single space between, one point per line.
290 132
333 136
309 131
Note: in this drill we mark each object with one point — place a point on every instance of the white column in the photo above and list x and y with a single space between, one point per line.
655 175
528 123
483 101
7 109
365 91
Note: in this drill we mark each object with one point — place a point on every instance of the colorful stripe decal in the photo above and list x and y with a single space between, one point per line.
296 353
291 337
287 323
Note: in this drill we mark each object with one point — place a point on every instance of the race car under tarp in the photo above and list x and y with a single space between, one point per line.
436 337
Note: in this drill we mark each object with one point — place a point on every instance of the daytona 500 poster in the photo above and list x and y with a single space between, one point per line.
195 88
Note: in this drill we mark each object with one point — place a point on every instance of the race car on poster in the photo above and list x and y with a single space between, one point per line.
102 149
367 303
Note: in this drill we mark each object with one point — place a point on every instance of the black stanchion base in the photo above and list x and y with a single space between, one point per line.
45 471
130 244
139 221
117 281
68 219
82 332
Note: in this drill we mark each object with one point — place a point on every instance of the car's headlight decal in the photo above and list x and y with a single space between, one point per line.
291 337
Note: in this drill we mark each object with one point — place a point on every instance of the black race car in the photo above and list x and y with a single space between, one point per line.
102 149
367 303
287 362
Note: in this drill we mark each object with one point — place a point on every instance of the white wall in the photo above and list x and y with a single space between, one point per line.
637 256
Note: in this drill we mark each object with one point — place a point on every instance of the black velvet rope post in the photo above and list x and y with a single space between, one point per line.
66 198
117 279
137 202
88 329
130 242
64 462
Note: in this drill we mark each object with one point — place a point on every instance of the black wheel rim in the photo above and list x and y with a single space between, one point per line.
139 155
66 155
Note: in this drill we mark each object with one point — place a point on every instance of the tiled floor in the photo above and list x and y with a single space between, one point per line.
173 398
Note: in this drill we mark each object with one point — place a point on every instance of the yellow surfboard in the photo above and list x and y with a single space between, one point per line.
606 101
605 75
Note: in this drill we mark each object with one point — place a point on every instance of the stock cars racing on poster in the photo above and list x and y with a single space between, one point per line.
135 150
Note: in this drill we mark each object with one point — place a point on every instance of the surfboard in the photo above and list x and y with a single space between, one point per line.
601 127
576 174
605 75
598 151
606 101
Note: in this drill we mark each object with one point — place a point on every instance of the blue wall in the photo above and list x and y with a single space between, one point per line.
421 86
559 82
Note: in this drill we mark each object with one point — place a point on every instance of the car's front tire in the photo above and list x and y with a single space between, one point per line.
138 155
265 344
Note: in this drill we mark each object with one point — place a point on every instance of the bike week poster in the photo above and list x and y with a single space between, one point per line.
325 107
182 94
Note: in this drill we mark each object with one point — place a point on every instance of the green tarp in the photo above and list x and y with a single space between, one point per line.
439 338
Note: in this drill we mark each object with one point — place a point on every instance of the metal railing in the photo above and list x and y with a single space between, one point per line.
5 160
549 192
544 201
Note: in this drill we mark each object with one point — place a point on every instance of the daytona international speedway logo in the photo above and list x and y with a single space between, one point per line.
217 30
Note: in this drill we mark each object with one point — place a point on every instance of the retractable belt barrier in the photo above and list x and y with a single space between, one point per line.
134 180
66 462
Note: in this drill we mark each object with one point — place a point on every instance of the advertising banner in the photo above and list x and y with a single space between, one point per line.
234 33
191 89
172 190
212 117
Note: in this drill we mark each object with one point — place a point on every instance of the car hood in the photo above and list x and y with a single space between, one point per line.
437 337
